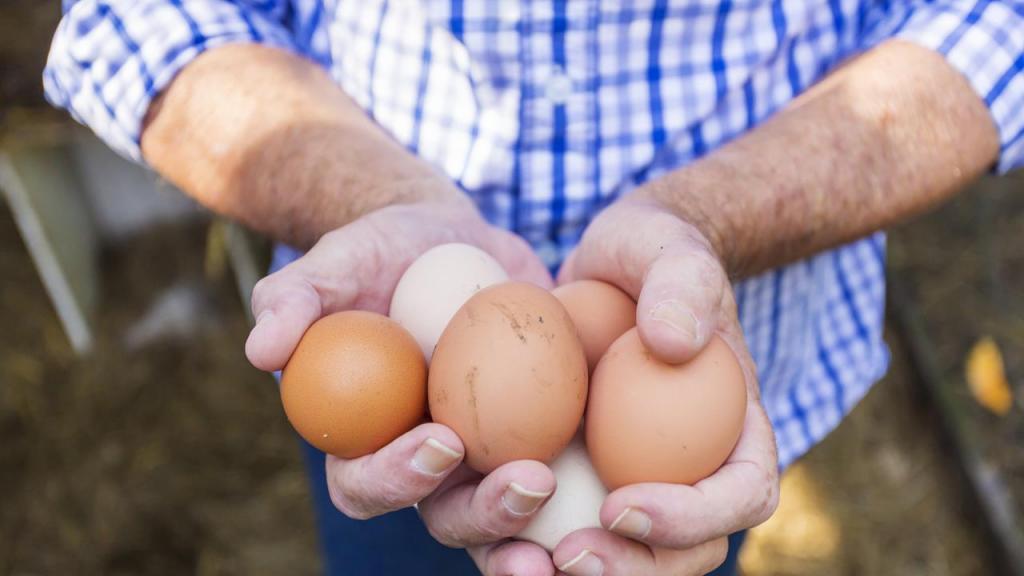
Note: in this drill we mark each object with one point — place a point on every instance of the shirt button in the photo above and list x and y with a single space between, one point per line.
558 88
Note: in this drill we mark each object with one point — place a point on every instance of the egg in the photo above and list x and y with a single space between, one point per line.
355 382
509 376
648 421
601 313
576 503
436 285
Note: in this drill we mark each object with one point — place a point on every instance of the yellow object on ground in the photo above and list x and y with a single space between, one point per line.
986 377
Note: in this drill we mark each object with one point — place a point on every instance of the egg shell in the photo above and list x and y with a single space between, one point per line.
601 313
509 376
356 381
648 421
576 503
436 285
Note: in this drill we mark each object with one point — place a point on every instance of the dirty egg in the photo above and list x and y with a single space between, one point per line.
509 376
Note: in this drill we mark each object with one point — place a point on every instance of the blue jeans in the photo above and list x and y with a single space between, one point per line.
397 544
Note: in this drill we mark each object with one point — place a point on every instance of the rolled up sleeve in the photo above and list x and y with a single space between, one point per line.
110 59
984 40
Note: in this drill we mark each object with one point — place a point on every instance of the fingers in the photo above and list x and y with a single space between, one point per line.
324 280
284 305
666 265
498 507
678 309
741 494
514 558
595 552
398 475
517 258
357 266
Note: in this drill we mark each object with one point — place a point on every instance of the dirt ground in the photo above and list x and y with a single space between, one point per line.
967 267
167 457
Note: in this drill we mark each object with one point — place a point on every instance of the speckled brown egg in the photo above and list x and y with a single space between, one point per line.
509 376
601 313
356 381
648 421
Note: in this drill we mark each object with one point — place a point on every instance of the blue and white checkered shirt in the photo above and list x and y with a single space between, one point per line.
544 112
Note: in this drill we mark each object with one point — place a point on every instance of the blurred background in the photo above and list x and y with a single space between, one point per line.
136 439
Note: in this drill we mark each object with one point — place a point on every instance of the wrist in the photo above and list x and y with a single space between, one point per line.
688 195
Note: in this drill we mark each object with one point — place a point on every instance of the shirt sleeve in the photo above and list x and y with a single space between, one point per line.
984 40
109 59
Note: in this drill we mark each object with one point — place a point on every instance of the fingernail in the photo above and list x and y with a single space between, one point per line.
434 458
584 564
677 316
522 502
632 523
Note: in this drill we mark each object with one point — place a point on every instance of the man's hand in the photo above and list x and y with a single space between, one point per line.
357 266
684 297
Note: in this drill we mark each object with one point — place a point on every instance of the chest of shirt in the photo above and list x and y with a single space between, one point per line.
546 110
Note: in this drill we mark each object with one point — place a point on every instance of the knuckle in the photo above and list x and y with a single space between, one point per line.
461 527
348 495
489 531
392 498
345 505
771 503
394 491
379 496
443 534
718 550
767 497
263 288
355 508
706 266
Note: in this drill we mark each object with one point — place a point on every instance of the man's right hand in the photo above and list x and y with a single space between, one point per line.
357 267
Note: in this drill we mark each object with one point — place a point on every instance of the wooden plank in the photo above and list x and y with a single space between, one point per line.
39 185
250 257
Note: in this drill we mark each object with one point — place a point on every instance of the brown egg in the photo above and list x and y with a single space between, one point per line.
509 376
601 313
356 381
648 421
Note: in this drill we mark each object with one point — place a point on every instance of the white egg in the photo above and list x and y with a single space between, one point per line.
576 502
436 285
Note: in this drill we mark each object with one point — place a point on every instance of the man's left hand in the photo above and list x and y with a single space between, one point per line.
684 297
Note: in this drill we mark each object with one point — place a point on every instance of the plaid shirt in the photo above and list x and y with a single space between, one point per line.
544 112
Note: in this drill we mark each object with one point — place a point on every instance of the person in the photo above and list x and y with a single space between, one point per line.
728 164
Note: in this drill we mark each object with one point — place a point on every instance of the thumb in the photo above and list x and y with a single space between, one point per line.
679 304
284 305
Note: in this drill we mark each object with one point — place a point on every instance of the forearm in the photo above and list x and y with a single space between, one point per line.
885 137
268 138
